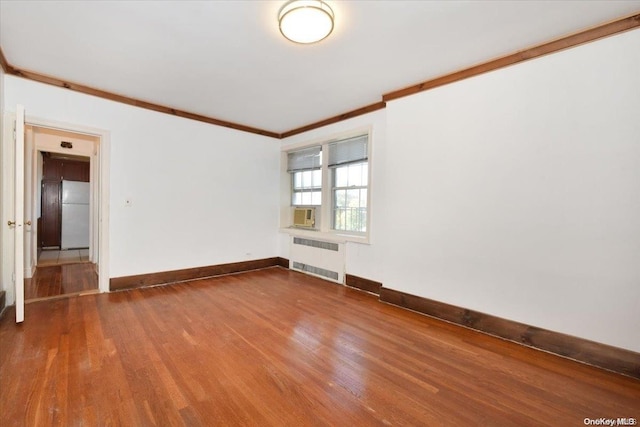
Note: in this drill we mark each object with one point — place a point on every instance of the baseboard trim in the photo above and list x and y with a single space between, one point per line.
283 262
165 277
363 284
604 356
3 301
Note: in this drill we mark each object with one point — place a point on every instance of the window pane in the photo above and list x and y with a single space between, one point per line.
307 180
353 198
362 226
316 198
363 198
306 198
341 198
357 224
339 219
317 179
365 174
341 176
355 175
349 223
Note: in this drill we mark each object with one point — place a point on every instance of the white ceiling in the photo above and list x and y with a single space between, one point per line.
227 59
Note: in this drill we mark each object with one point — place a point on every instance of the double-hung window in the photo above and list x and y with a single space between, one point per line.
333 179
349 165
305 167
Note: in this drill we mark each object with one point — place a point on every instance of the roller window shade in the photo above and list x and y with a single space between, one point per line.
306 159
347 151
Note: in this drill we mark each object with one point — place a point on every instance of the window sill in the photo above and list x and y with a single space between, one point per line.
331 236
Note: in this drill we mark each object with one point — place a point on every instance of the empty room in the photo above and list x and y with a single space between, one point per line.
328 213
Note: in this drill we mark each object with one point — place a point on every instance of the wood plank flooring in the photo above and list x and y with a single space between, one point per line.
278 348
59 280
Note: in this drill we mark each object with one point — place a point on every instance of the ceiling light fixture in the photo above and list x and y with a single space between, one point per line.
306 21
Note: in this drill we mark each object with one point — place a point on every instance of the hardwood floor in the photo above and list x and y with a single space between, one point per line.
275 347
60 280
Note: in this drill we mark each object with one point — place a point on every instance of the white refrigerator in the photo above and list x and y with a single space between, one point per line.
75 215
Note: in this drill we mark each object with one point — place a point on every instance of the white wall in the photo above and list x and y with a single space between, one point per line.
526 187
201 194
517 193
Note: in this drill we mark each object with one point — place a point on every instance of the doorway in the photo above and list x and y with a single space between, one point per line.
61 250
19 220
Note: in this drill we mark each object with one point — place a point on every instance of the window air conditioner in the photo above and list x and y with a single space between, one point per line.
304 217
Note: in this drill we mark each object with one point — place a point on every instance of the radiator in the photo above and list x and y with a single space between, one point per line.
318 258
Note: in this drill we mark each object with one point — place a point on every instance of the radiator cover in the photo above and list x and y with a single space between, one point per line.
318 257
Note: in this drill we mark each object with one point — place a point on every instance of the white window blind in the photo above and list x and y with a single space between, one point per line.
347 151
306 159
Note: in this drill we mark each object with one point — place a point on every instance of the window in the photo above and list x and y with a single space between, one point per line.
348 161
306 176
350 197
333 178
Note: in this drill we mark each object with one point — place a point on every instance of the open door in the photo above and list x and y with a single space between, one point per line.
13 209
18 222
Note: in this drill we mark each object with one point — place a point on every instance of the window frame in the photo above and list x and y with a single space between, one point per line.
325 227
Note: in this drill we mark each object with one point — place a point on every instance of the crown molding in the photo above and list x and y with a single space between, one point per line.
601 31
9 69
573 40
335 119
4 64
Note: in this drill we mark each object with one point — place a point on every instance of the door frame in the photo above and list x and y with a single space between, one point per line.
101 174
100 168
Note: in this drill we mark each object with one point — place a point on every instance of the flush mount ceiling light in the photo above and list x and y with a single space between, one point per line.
306 21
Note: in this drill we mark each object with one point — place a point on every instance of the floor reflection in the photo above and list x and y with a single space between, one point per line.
332 345
58 280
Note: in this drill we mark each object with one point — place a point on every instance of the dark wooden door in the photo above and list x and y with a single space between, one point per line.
51 211
51 169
